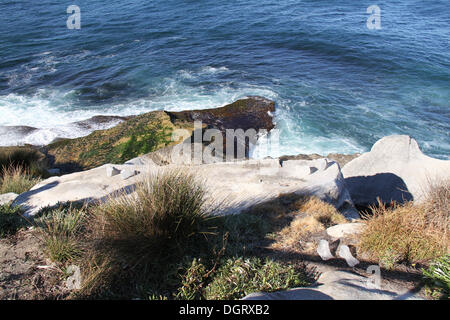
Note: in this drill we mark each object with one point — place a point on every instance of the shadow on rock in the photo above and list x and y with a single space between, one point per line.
388 187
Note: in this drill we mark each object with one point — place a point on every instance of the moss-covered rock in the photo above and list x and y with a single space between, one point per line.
136 136
151 131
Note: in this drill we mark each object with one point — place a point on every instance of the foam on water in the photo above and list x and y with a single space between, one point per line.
339 87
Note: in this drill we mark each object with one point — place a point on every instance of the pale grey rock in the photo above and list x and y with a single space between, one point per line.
395 169
340 285
128 173
7 197
345 230
323 249
236 186
343 285
344 253
111 171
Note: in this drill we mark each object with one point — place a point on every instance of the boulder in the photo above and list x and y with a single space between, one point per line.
395 169
138 135
236 186
7 198
340 285
324 251
345 230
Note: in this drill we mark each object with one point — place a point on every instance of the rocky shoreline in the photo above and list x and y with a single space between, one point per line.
107 163
394 170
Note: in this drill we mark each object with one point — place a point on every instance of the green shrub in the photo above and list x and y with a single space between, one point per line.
438 275
61 229
193 282
10 220
238 277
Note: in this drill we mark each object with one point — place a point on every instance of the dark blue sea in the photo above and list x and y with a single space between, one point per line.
338 85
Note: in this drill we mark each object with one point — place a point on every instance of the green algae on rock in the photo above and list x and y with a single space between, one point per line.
151 131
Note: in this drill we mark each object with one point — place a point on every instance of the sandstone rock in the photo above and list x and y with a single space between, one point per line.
7 198
394 170
339 285
345 230
128 173
341 159
145 133
235 185
111 171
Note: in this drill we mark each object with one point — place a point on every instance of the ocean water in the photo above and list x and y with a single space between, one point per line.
338 85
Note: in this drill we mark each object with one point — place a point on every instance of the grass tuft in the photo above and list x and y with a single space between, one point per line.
61 230
16 179
409 233
138 239
311 216
438 275
28 158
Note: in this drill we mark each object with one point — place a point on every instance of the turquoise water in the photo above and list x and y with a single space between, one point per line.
338 86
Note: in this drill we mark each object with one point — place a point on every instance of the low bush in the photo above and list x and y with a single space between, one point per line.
141 239
238 277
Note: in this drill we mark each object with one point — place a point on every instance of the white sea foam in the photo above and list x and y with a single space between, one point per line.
53 113
213 70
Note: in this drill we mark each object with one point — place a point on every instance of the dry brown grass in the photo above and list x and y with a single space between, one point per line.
409 233
16 179
312 215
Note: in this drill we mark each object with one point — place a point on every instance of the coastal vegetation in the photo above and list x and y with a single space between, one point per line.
16 179
409 233
21 168
162 242
161 237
